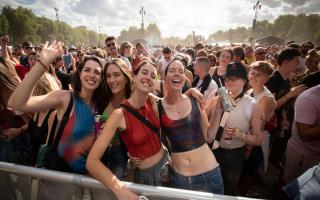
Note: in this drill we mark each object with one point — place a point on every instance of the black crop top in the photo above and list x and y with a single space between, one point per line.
184 134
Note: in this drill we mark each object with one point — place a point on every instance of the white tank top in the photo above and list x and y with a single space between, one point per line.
239 117
263 93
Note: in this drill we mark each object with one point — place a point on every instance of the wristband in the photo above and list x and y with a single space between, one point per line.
43 65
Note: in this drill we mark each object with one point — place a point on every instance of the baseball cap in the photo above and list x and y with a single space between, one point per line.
236 69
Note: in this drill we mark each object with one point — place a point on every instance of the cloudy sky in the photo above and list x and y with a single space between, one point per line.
174 17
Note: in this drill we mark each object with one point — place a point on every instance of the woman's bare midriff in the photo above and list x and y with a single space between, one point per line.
194 162
151 161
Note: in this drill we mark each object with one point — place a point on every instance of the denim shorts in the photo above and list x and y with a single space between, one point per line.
210 181
305 186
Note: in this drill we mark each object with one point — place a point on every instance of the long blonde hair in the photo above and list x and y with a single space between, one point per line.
47 83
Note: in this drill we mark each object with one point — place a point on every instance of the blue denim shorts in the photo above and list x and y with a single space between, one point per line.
305 186
210 181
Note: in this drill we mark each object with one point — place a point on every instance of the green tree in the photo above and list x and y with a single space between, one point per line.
304 27
281 25
47 29
4 25
22 24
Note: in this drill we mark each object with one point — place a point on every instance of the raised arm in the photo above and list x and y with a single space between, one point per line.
4 43
21 100
97 168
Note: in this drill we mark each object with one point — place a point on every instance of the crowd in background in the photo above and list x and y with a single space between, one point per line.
161 108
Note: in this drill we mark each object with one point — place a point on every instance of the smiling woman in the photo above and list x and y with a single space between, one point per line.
141 140
119 87
185 124
77 135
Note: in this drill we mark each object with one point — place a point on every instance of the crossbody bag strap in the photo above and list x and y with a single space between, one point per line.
63 123
140 118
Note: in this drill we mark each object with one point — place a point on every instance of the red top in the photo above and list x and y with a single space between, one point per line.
22 71
141 141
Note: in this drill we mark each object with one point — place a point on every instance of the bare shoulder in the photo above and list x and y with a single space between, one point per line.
117 114
267 100
153 98
117 119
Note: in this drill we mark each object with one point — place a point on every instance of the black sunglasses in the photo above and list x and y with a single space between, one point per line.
111 44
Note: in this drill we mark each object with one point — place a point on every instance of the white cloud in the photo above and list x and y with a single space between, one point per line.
174 17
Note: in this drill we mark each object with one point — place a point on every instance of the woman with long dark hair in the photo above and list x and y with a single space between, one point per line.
77 136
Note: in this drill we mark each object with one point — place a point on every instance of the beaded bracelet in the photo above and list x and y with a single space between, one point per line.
43 65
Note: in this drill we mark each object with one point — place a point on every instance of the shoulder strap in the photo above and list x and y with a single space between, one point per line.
62 125
47 117
37 118
163 138
161 89
140 118
160 110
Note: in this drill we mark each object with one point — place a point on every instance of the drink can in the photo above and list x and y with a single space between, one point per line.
97 123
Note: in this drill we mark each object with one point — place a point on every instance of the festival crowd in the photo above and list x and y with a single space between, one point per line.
204 118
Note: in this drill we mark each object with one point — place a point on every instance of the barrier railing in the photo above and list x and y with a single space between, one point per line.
22 182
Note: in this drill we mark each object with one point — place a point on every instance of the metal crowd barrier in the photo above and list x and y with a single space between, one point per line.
29 183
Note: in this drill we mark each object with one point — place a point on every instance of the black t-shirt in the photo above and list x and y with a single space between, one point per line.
311 79
279 87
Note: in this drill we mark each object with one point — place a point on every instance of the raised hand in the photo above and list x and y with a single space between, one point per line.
4 40
49 53
296 91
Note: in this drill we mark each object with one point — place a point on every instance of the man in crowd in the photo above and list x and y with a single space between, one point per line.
164 61
303 150
203 82
260 54
112 49
280 86
28 49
